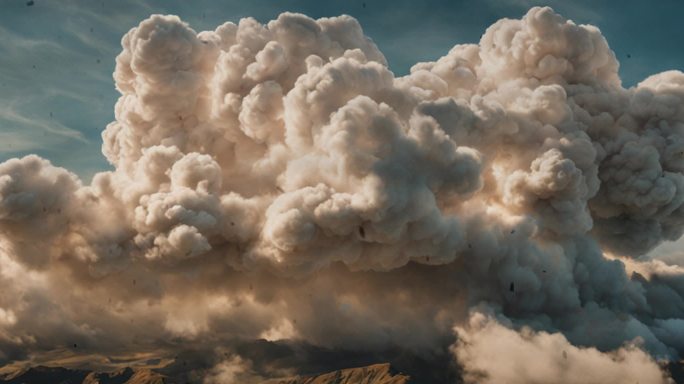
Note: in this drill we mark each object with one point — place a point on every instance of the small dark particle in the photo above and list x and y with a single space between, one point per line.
133 281
512 231
251 287
364 5
98 61
75 346
629 56
428 258
232 223
91 29
29 3
44 209
511 287
34 66
362 232
544 270
470 246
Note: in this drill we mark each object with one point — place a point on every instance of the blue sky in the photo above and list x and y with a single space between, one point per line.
57 56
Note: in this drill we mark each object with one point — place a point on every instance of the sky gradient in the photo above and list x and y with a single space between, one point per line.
57 57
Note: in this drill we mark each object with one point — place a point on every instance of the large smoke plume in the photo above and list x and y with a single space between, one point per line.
278 181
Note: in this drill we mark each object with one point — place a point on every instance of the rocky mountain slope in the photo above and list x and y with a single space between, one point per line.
374 374
58 375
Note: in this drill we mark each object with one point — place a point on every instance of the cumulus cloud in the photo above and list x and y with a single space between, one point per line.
493 353
232 370
278 180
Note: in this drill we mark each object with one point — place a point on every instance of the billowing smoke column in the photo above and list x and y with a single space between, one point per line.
278 181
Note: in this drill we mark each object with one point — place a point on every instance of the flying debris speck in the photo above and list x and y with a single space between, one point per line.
362 232
629 56
29 3
512 231
511 287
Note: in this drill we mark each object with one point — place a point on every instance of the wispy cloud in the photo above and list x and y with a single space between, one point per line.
11 115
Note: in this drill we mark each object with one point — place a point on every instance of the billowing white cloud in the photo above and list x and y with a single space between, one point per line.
277 179
493 353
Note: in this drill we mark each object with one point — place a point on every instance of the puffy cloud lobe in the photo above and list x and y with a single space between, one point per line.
232 371
539 357
642 198
557 183
36 201
259 166
32 188
546 47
